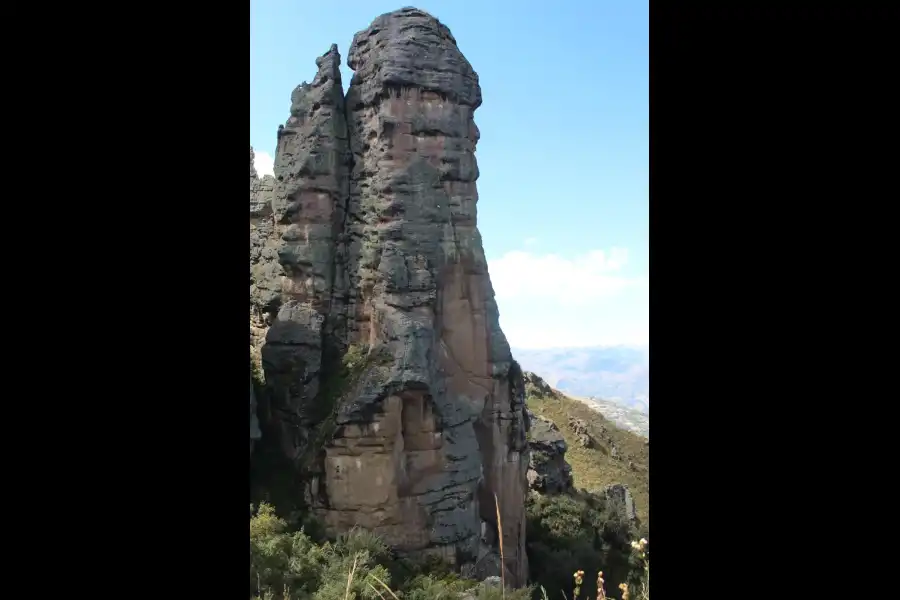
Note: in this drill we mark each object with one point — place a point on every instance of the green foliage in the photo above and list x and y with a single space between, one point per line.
336 578
431 587
279 559
355 357
494 592
356 566
576 531
283 562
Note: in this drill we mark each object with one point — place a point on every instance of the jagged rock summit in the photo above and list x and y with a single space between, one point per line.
387 394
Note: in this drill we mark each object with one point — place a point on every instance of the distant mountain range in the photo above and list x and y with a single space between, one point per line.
620 374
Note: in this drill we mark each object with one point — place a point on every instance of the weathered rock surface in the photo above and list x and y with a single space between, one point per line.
254 421
535 385
260 206
368 239
294 230
548 471
580 428
619 497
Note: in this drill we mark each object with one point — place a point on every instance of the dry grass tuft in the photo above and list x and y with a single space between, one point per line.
500 537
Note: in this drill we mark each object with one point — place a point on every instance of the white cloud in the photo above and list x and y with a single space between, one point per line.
576 281
550 300
264 163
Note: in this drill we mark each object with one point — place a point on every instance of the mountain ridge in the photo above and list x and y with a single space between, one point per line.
618 374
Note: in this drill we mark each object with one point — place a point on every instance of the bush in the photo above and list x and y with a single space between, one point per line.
280 560
570 531
356 566
565 532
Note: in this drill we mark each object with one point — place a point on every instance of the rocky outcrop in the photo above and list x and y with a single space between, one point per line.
582 432
536 386
548 471
369 245
261 195
294 244
619 498
254 421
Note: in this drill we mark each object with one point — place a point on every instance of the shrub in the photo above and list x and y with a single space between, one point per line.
576 530
356 566
280 560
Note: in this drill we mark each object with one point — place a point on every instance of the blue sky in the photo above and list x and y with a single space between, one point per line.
564 150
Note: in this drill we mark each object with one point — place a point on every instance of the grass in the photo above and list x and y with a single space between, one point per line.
594 468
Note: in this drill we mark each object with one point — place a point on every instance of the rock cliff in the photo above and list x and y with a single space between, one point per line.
386 384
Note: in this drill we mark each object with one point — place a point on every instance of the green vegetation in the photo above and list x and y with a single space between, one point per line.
298 564
578 530
594 468
287 564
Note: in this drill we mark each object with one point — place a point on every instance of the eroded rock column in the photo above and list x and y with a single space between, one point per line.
367 238
418 283
295 232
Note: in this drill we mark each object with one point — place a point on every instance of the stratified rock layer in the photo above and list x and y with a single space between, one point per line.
260 206
292 256
372 242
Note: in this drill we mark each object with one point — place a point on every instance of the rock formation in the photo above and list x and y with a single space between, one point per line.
548 471
254 421
619 497
535 385
260 206
387 383
580 428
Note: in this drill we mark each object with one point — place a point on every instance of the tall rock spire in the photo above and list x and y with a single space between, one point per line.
373 242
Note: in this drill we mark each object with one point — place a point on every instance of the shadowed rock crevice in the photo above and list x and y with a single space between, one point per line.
366 241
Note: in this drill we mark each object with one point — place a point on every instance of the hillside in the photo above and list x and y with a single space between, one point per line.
612 456
623 417
619 374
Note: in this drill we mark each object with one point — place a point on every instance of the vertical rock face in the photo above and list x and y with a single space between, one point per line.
260 206
265 271
293 250
254 421
372 242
